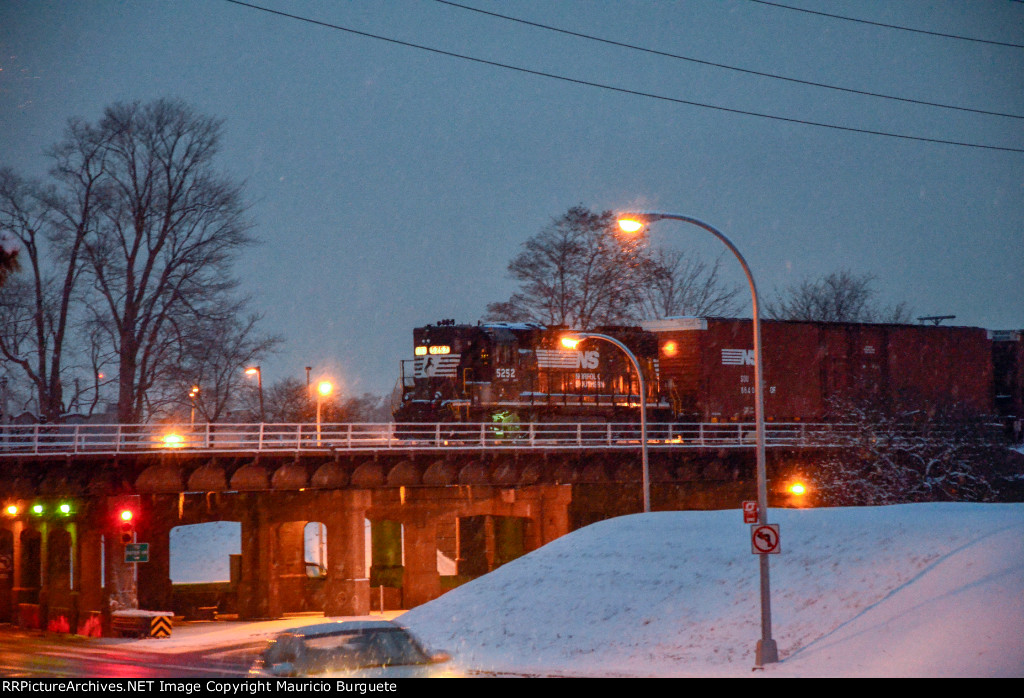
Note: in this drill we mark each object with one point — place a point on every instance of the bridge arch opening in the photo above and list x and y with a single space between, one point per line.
205 567
488 542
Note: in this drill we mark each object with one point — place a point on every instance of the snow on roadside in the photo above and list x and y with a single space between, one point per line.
917 590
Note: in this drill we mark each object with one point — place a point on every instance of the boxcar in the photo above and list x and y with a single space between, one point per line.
707 366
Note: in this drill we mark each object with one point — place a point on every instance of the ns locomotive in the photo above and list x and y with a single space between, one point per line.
522 372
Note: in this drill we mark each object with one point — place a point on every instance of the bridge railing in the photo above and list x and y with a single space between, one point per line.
45 439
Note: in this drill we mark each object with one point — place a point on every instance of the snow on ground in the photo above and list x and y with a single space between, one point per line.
907 590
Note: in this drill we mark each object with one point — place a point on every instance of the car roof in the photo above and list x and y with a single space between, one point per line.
341 627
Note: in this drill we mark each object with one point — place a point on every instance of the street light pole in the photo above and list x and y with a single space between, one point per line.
192 397
631 222
259 383
573 338
323 389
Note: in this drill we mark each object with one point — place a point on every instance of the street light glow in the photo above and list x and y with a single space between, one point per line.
797 488
251 371
325 388
173 441
628 224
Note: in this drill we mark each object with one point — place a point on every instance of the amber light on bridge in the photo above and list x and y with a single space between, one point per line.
173 440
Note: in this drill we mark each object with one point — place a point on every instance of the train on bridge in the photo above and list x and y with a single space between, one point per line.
701 370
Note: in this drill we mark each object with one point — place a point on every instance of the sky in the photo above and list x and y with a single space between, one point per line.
390 186
918 590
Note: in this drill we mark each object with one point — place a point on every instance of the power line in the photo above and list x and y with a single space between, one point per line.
622 90
722 65
888 26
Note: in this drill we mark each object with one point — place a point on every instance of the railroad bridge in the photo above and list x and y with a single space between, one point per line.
476 495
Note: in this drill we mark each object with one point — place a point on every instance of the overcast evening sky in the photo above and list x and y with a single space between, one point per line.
390 186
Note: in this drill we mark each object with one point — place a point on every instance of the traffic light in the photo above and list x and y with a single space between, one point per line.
127 526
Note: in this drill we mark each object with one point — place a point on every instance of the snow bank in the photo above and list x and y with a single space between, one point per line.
908 590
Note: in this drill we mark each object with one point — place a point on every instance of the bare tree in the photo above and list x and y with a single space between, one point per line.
289 400
128 252
841 296
577 271
50 225
683 285
213 355
937 453
161 245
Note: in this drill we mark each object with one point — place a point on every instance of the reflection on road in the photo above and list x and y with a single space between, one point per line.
26 653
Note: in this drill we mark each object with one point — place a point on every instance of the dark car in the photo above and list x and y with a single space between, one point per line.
350 649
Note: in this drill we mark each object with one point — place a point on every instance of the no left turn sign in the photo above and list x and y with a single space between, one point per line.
764 539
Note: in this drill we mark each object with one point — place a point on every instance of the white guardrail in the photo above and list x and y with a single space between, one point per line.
56 439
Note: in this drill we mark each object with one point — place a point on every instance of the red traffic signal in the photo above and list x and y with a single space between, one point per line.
127 527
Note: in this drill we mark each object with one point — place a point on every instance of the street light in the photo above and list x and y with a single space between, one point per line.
631 222
323 389
574 338
192 398
255 370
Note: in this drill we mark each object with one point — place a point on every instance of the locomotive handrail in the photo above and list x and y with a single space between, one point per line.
102 439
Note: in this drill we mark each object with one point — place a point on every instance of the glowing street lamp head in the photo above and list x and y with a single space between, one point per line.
324 388
798 488
252 371
631 224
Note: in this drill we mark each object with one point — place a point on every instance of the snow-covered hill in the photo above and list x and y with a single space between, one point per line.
908 590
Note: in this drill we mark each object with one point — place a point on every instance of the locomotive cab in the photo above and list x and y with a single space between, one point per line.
507 372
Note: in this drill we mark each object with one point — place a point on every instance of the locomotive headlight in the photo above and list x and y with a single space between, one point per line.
421 351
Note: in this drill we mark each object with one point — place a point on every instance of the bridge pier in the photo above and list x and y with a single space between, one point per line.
348 587
154 577
421 581
257 592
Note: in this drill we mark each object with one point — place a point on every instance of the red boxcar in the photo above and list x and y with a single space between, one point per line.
707 366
